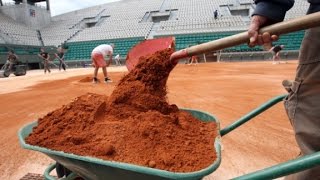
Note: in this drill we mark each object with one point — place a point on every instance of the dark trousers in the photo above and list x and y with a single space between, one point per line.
303 102
62 65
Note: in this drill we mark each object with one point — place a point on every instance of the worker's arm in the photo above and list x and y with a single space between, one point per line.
110 59
273 10
41 56
267 12
271 49
93 63
57 56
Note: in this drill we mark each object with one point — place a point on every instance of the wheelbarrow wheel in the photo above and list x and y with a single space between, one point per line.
21 73
20 70
4 73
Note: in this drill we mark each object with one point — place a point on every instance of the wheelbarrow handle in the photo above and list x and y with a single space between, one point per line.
50 168
252 114
286 168
279 170
297 24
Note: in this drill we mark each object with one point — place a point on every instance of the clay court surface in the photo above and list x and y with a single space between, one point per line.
226 90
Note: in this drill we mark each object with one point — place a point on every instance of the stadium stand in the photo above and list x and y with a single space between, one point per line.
128 22
113 30
203 25
17 33
299 9
55 35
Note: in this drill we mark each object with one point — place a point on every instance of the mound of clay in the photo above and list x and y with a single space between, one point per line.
136 124
86 79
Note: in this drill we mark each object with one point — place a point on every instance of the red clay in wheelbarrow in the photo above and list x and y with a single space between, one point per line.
136 124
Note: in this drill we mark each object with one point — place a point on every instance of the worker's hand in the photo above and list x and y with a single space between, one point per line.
264 39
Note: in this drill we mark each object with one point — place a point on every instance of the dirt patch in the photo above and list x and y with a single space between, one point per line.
136 124
86 79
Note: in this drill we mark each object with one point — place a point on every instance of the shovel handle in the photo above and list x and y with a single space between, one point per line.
297 24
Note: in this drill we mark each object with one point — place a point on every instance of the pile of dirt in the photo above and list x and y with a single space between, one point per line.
86 79
136 124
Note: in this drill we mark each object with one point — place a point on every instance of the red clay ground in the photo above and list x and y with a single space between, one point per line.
227 90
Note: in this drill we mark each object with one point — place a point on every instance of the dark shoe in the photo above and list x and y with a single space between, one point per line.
95 80
107 80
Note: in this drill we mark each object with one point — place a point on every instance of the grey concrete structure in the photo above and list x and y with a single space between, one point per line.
32 16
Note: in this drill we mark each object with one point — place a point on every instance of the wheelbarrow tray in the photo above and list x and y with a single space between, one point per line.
96 169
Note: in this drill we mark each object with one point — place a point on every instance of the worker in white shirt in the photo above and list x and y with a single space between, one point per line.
98 59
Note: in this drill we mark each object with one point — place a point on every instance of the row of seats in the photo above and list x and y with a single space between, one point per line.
196 8
56 36
291 41
80 14
200 31
82 50
299 9
20 49
122 10
63 27
165 27
245 1
87 36
59 31
114 30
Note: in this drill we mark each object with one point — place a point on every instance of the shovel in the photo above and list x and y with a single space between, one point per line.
301 23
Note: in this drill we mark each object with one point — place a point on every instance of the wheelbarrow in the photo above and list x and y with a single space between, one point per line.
91 168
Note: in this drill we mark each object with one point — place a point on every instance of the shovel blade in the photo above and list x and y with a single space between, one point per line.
147 47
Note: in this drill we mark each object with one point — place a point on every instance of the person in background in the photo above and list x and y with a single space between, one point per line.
194 60
117 59
98 60
60 56
12 60
303 101
83 64
276 53
46 60
215 13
